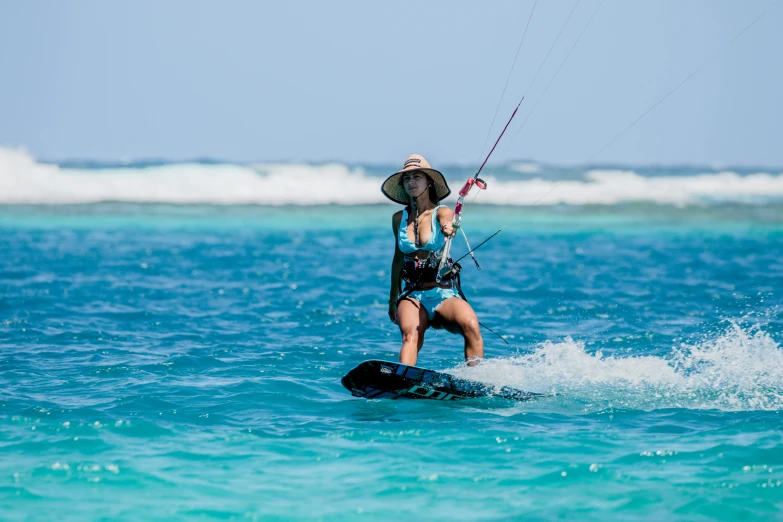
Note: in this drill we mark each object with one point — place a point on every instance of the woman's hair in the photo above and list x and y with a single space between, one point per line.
433 195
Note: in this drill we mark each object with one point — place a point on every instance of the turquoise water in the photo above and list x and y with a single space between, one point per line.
167 362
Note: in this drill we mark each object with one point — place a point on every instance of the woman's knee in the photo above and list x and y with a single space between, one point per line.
470 326
410 334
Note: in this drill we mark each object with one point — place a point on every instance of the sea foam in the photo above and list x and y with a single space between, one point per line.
23 180
739 368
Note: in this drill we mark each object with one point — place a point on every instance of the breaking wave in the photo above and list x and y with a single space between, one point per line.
23 180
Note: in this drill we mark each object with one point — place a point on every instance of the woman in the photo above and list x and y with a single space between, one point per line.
420 231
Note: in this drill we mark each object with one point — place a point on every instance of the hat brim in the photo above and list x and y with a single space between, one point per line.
393 189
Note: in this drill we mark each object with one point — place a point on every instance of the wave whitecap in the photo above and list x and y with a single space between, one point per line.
611 187
23 180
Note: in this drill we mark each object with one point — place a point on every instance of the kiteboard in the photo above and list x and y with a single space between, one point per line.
390 380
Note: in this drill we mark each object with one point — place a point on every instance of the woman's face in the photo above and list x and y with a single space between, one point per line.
415 183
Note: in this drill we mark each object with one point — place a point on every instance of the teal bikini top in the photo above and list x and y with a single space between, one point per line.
436 242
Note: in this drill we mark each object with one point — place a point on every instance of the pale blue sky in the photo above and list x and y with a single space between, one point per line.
362 81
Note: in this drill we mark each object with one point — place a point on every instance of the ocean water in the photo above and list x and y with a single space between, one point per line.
172 338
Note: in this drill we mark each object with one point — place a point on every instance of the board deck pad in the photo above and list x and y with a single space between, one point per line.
391 380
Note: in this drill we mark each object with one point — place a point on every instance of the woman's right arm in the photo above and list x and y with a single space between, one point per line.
396 269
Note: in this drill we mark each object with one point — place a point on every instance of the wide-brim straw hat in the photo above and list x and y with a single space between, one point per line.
392 188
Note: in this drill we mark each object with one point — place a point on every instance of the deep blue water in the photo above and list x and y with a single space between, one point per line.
178 363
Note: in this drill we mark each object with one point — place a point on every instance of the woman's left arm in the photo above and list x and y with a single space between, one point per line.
446 221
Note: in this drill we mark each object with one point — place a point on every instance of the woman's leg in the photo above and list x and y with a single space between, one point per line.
412 318
457 316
